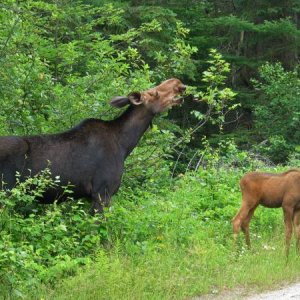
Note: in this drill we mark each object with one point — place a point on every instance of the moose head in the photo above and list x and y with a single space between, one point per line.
156 99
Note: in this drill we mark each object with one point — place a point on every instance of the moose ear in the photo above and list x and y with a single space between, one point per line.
119 101
154 94
135 98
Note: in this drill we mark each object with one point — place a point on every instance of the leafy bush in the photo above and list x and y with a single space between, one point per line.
41 243
277 114
62 62
276 148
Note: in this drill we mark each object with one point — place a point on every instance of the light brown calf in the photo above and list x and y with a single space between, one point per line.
273 191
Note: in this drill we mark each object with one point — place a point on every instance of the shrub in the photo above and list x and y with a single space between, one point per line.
276 148
40 243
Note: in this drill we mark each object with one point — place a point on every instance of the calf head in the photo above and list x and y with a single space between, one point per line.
157 99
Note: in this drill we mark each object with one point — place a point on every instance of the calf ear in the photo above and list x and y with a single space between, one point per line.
154 94
119 101
135 98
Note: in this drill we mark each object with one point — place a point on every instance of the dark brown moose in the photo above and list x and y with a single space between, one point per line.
91 155
273 191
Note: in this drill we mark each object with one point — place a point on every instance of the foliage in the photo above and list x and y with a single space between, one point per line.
61 61
279 103
277 111
215 96
41 243
212 104
276 148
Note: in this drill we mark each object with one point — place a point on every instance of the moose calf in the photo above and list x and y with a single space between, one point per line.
273 191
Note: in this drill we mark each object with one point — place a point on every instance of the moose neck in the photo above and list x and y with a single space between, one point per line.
131 125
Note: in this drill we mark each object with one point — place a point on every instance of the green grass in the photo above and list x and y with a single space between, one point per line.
175 273
179 244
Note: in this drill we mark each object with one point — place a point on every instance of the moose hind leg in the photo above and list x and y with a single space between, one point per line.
296 220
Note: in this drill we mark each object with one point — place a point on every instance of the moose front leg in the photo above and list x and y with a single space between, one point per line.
242 219
288 222
245 226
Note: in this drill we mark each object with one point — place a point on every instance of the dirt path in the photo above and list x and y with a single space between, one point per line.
288 292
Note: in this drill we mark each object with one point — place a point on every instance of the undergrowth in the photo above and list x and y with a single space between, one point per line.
168 245
168 239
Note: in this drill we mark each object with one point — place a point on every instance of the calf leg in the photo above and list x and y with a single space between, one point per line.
296 220
245 226
288 222
242 219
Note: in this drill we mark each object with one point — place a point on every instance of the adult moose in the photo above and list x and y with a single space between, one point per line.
273 191
91 155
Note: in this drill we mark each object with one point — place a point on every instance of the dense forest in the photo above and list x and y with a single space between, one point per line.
167 233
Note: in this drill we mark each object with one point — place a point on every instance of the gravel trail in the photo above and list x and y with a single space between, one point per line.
287 292
290 292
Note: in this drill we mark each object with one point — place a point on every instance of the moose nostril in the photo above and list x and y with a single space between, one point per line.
182 88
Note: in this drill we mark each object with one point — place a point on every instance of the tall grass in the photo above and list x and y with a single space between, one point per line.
178 273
